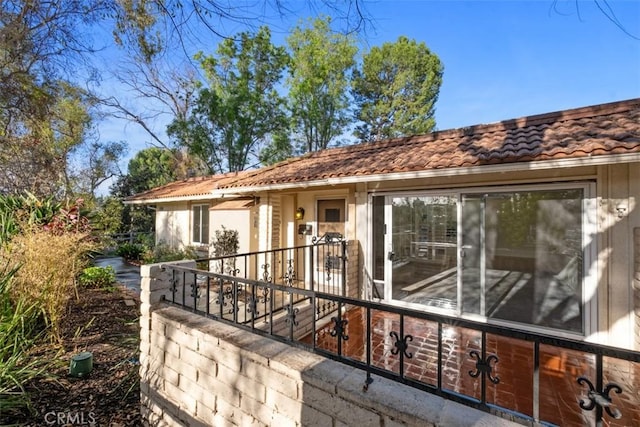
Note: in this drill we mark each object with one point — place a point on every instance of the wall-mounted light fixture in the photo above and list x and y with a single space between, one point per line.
299 214
621 209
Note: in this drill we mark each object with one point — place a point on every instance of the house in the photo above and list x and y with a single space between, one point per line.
532 222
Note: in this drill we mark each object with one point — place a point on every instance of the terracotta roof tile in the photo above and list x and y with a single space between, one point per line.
198 186
590 131
599 130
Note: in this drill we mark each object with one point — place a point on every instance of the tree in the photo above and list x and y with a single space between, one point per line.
36 151
279 149
153 34
318 82
40 44
235 117
396 90
100 164
149 168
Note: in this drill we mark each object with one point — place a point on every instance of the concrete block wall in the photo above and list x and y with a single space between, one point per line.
196 371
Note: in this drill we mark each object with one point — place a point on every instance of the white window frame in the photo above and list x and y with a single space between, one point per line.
202 207
589 251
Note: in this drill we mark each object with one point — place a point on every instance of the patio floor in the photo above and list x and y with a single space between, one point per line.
560 392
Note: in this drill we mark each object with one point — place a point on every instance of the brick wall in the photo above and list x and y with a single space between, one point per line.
354 285
197 371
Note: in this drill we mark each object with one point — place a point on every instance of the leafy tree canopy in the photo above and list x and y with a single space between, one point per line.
318 82
396 89
237 114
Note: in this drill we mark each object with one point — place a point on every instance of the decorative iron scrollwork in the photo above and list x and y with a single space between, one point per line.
225 298
266 277
401 344
232 271
174 285
484 366
195 291
339 326
261 297
328 237
291 315
601 399
327 269
290 274
252 305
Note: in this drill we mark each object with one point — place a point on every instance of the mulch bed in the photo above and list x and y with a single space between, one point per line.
107 325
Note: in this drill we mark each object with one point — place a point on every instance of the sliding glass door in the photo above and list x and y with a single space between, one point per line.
512 254
523 257
422 245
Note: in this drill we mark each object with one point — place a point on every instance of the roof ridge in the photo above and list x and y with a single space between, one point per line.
508 124
550 117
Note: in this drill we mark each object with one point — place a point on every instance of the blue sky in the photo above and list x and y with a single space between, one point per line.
507 59
502 59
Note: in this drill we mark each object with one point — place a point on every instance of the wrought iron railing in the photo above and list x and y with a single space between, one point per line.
530 378
320 266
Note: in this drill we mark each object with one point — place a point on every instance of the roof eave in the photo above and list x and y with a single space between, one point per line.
435 173
187 198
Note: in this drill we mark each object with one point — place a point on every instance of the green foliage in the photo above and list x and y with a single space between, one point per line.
225 242
37 152
131 251
236 115
150 168
98 277
20 328
396 90
20 212
164 253
321 61
279 148
100 164
107 216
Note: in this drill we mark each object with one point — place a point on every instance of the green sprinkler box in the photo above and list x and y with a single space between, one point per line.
81 364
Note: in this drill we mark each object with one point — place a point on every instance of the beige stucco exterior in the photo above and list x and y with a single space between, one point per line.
173 224
271 224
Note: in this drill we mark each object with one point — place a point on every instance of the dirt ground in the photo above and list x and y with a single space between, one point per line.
107 325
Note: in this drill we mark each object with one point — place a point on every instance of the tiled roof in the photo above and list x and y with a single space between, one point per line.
187 188
599 130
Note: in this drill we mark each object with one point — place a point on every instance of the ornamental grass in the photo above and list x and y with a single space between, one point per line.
49 264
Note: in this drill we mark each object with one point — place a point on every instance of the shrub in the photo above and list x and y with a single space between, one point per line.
19 329
225 242
164 253
131 251
98 277
49 264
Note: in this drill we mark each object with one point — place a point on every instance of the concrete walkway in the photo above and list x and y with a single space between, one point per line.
126 274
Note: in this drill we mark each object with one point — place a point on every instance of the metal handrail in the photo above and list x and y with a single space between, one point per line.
330 315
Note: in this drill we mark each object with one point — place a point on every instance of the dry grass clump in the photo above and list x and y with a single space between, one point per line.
49 265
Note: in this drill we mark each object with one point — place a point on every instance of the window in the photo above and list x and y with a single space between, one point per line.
200 224
512 254
523 263
332 215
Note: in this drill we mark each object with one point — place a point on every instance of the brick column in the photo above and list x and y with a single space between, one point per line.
353 289
155 285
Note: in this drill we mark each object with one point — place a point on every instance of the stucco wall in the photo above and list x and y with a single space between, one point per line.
636 285
241 220
173 225
199 372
